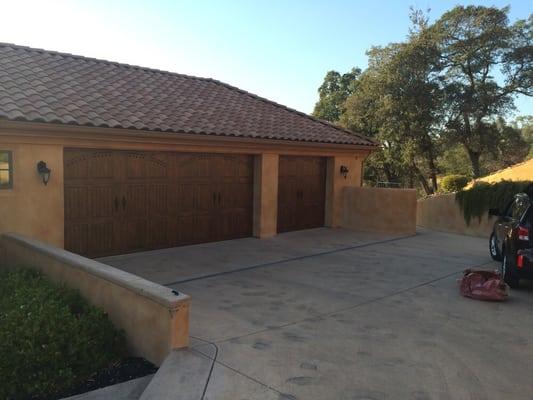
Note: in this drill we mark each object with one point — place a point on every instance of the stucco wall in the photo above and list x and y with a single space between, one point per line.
266 170
154 319
442 213
336 184
379 210
30 207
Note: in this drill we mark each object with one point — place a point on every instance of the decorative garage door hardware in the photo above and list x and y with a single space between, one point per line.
126 201
301 193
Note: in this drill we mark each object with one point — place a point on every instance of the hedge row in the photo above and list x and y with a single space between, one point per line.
50 339
476 201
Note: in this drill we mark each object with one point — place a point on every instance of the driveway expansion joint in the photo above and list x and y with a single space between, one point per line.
285 260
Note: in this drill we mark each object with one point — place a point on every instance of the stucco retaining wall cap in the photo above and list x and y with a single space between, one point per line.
158 293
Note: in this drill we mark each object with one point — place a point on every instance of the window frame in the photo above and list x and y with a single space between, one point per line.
9 169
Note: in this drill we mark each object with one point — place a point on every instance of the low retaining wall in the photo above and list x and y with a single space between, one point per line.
442 213
154 319
379 210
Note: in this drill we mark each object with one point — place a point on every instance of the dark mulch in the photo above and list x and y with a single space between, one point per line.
122 371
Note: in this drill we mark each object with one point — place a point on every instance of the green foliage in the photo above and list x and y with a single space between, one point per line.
475 202
333 93
396 102
436 100
454 161
525 125
477 43
453 183
50 338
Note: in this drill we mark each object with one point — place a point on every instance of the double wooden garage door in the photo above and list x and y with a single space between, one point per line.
124 201
120 201
301 193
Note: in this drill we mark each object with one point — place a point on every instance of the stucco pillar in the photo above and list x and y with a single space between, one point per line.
266 195
335 183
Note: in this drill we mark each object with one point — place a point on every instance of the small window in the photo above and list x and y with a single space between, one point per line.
6 169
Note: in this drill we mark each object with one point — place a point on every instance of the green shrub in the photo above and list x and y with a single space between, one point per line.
50 339
475 202
453 183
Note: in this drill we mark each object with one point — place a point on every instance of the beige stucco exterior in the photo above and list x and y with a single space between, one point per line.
380 210
442 213
336 183
30 207
36 210
266 170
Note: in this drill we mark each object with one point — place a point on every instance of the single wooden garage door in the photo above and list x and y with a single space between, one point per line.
301 193
125 201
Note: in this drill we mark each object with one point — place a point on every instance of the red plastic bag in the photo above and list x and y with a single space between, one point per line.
483 285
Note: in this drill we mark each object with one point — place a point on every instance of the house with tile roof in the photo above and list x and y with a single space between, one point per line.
105 158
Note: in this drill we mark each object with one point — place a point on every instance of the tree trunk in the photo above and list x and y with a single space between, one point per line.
432 171
422 179
474 160
388 173
411 180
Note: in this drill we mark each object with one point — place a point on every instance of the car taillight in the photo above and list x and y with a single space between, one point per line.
523 233
520 261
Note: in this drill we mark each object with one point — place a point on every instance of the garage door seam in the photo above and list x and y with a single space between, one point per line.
352 307
273 263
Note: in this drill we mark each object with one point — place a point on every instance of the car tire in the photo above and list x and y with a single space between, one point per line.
507 273
493 248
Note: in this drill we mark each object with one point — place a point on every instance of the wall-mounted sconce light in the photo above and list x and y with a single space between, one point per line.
344 171
43 171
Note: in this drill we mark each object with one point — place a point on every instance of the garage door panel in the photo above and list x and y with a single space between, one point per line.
242 195
157 232
204 229
93 165
133 235
158 197
301 192
206 198
312 167
245 168
76 238
181 198
124 201
101 201
223 166
76 202
141 165
101 237
186 167
185 230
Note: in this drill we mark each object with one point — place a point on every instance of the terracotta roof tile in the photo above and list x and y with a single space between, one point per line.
46 86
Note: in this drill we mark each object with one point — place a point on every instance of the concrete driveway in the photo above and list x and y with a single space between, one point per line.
333 314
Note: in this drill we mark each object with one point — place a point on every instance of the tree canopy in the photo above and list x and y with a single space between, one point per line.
438 96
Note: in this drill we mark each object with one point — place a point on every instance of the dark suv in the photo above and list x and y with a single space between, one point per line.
511 241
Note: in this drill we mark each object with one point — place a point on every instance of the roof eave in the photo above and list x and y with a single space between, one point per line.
32 128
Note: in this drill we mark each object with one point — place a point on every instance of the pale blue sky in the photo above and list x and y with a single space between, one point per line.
277 49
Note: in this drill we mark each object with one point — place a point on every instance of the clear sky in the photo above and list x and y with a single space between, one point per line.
277 49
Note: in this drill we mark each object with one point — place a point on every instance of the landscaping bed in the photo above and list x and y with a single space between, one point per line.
54 344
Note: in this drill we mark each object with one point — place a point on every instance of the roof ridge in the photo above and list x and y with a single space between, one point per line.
215 81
